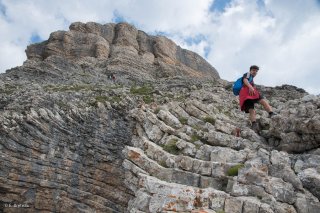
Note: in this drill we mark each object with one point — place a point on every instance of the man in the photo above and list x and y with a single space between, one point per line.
249 95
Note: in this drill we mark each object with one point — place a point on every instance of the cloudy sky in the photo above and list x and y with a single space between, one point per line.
281 36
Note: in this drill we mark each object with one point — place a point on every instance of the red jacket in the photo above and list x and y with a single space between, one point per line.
244 95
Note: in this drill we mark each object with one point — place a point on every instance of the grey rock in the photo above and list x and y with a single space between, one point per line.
281 191
233 205
159 137
169 119
306 203
310 179
227 155
153 131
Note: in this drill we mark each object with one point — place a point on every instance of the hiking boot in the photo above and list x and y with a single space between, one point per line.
271 114
255 126
236 132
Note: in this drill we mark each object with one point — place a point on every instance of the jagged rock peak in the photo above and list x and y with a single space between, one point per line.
124 46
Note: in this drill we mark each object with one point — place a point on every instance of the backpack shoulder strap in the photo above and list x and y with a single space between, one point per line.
250 79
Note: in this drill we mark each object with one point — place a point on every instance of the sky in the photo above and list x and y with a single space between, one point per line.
282 37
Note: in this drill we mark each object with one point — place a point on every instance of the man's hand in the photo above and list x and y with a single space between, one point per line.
251 91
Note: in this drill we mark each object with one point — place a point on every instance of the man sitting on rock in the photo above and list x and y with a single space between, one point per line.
249 95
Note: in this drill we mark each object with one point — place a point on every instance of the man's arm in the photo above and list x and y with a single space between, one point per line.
251 89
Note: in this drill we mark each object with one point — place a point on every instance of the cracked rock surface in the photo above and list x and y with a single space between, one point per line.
166 136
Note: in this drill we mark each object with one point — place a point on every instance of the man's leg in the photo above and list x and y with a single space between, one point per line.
252 115
265 105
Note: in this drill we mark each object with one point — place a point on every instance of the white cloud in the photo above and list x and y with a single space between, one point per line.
284 46
279 36
167 15
11 54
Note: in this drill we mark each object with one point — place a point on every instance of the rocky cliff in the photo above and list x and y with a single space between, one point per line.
123 49
166 135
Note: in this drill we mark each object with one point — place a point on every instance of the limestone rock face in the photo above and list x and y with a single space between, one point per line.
311 180
65 162
298 127
159 137
124 47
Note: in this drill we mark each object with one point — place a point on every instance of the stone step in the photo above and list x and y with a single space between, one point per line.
178 169
219 135
161 196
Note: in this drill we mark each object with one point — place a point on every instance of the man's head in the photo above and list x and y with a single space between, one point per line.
254 70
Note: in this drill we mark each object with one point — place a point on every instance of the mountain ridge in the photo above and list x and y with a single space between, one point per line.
164 136
125 46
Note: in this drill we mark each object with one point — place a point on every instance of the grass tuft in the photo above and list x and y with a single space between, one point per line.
144 90
147 99
209 119
183 120
171 147
157 110
233 171
163 164
195 138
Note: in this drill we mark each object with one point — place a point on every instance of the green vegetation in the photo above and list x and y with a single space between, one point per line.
233 171
147 99
234 102
171 147
197 146
65 88
220 211
79 87
62 104
101 98
180 98
9 89
229 86
170 95
209 119
163 164
144 90
227 113
183 120
195 138
157 110
113 99
99 90
196 127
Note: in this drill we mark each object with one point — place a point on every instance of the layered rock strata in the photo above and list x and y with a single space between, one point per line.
125 50
166 135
